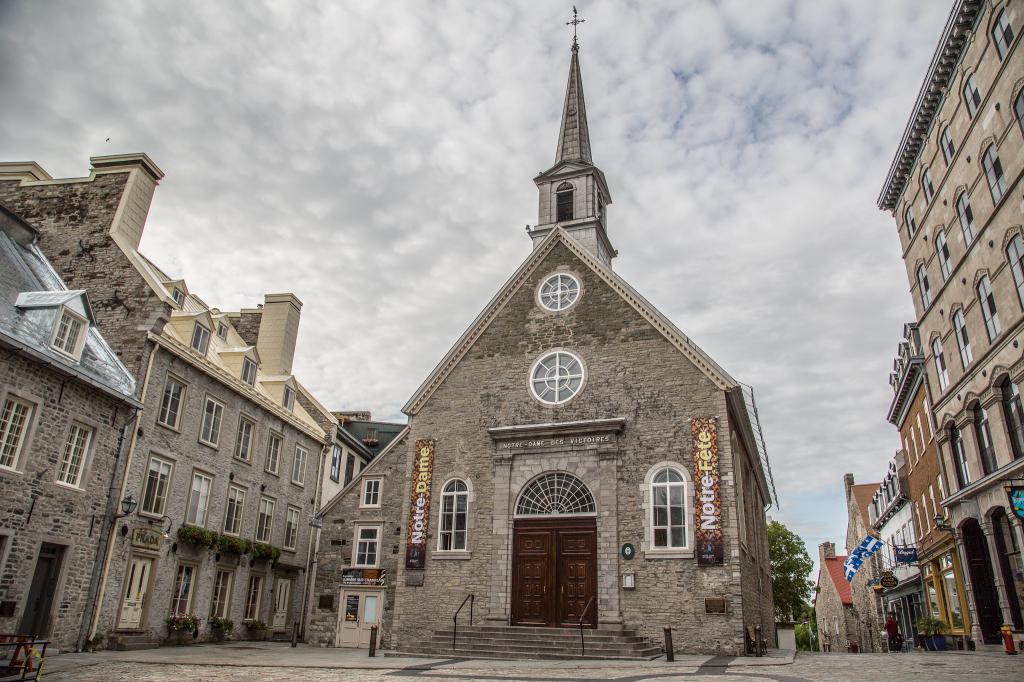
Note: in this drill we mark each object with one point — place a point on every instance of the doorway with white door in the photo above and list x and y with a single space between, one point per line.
282 603
360 610
135 589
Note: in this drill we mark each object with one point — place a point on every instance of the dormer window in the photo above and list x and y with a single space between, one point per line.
179 296
289 398
200 338
563 202
222 330
249 371
69 334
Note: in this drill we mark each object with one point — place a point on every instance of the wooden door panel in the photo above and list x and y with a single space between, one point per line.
554 572
532 577
577 576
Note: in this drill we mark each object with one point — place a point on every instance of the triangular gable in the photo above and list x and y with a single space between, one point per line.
683 344
76 299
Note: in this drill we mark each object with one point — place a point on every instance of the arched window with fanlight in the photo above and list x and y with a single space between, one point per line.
908 218
564 202
453 526
923 287
1015 256
1013 412
989 313
966 215
1002 34
963 472
669 522
942 251
983 434
1018 108
994 173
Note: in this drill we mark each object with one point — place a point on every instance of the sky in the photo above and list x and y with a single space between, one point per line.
376 159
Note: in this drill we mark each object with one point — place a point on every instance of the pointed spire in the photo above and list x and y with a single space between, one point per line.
574 136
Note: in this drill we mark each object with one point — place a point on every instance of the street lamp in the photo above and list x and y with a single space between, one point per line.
128 507
940 524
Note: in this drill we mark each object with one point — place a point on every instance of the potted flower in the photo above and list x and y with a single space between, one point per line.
256 629
932 631
181 628
199 538
221 627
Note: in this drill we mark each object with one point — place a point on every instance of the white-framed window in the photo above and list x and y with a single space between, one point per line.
558 292
158 480
245 439
170 402
946 143
669 529
963 471
249 371
926 186
199 499
274 443
556 378
371 493
923 287
1002 34
69 333
1015 256
366 548
908 218
200 338
222 330
972 97
299 465
988 308
994 173
179 296
289 398
72 460
14 421
265 520
942 251
213 415
963 341
940 364
291 528
181 598
966 215
253 596
453 528
336 464
220 607
235 508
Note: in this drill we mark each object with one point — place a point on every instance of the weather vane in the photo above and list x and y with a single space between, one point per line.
576 21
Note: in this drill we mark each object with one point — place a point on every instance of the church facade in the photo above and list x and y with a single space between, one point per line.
575 458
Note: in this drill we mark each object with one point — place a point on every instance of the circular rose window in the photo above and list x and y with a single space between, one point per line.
557 378
558 292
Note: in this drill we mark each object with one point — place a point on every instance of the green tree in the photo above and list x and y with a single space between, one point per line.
790 567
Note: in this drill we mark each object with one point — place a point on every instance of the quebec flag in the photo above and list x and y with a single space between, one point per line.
866 548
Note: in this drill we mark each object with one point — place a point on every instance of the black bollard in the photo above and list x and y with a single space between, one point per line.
373 641
295 635
670 654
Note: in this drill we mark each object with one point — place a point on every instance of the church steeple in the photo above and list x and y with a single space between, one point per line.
574 193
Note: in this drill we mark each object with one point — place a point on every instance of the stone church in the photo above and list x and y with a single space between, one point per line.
574 459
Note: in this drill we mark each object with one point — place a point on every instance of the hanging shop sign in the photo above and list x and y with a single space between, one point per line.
146 538
905 555
1016 493
356 577
708 498
888 580
419 506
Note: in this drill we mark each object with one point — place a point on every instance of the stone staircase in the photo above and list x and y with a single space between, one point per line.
132 642
507 642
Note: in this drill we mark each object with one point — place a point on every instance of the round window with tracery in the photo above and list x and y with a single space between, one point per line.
558 292
557 377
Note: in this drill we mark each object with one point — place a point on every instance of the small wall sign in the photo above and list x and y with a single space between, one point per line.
364 576
888 580
146 538
714 605
1016 494
628 551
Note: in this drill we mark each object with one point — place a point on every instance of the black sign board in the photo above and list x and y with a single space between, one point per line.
628 551
364 576
888 580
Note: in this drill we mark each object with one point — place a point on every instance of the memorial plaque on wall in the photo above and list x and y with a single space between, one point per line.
714 605
707 500
419 506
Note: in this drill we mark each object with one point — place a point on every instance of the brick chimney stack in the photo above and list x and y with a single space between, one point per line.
848 482
826 550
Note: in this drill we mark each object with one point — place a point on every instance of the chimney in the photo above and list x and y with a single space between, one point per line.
143 176
279 328
848 482
826 550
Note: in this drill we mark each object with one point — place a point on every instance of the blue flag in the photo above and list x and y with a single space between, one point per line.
866 548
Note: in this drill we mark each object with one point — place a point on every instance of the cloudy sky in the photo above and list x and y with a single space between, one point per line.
376 159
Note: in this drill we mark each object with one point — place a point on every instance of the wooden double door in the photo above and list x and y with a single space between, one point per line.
554 572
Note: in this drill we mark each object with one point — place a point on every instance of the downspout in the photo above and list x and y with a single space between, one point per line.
124 485
314 538
106 530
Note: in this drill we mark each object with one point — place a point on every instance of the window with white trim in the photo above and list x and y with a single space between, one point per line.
289 398
158 480
181 598
966 215
179 296
265 520
1015 256
220 607
213 414
453 526
336 464
249 371
72 460
253 596
942 251
245 438
908 218
200 338
299 465
14 421
926 186
972 97
989 313
558 292
199 499
170 402
69 334
1002 34
233 513
963 341
994 173
557 378
941 370
668 510
222 330
371 493
946 143
291 528
366 550
963 472
923 288
1018 109
274 443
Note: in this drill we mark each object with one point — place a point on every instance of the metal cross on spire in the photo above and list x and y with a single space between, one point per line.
576 21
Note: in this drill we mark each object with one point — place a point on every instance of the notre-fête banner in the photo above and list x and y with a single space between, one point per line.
707 501
419 509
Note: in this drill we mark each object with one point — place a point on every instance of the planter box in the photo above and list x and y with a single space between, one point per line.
181 637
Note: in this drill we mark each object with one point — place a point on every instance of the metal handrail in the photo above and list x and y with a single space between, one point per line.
455 619
583 615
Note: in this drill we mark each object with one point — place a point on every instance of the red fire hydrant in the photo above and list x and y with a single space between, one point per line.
1007 632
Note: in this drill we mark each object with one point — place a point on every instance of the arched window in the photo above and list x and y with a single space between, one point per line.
1018 108
983 432
1014 413
922 285
555 494
963 341
972 97
942 251
988 308
908 218
1002 34
963 472
563 202
994 173
940 364
946 142
1015 254
963 210
453 529
926 186
668 509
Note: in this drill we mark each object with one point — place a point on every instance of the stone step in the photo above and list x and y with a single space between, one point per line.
525 647
567 640
459 652
539 629
132 643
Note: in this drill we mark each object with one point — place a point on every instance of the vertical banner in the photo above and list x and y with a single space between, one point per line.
419 510
707 499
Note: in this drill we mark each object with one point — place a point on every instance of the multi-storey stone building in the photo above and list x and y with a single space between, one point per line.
866 604
837 622
924 487
66 402
224 455
954 189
